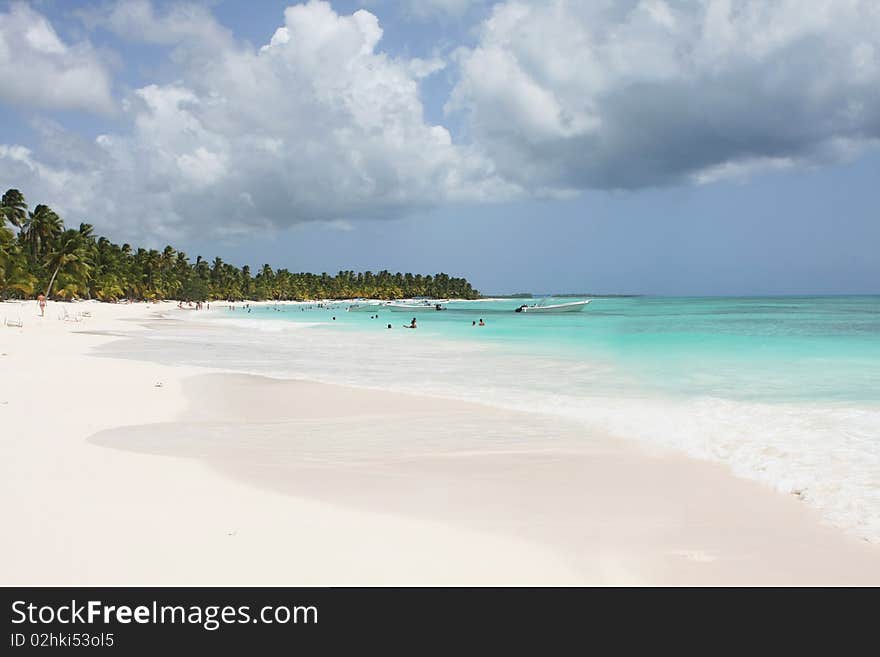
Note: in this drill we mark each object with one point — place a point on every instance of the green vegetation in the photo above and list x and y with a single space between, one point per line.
41 256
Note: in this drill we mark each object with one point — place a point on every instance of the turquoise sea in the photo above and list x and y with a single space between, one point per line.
765 348
785 390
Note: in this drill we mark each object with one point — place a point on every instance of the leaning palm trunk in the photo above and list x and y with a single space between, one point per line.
52 281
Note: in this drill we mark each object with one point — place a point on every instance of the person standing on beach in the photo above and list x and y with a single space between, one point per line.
41 300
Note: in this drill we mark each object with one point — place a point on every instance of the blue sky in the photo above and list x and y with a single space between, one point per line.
643 146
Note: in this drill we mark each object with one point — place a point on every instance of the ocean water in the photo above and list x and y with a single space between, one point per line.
783 390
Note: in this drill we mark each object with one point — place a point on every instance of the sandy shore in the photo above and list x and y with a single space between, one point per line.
127 472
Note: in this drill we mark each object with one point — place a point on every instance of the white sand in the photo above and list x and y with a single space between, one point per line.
218 509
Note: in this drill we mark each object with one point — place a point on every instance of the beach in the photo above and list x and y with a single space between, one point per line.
131 471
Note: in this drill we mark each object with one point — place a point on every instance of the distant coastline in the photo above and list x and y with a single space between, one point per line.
566 295
41 257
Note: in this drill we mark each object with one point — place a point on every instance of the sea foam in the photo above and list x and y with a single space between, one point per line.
826 453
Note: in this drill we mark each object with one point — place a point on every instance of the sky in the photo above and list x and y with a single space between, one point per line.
694 147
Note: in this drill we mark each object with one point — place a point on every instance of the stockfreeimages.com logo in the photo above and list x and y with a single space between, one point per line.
210 617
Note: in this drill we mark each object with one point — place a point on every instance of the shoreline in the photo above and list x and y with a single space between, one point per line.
197 514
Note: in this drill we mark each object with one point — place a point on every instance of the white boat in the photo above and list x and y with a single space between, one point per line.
570 307
415 307
365 307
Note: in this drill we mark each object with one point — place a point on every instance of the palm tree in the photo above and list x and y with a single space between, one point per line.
7 243
42 227
14 274
87 231
74 262
13 208
69 253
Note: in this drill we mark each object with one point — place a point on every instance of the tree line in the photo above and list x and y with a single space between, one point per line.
39 255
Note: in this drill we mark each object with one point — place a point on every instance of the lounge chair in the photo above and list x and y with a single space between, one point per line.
71 317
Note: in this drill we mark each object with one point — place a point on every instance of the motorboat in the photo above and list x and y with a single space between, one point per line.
555 308
415 307
365 307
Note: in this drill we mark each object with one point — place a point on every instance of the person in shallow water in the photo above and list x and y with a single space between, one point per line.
474 323
389 326
412 324
482 323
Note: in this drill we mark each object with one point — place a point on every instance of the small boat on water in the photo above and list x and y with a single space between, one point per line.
365 307
570 307
411 307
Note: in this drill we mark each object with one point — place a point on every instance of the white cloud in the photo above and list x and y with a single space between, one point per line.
317 125
422 68
37 69
741 169
137 20
73 188
576 95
